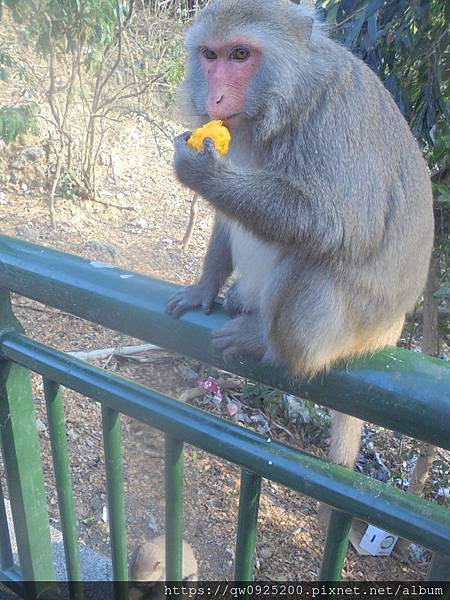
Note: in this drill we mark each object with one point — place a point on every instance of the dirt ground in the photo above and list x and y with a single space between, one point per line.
145 236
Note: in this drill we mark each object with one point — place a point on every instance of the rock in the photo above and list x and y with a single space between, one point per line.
139 223
296 411
40 426
72 435
105 515
100 250
27 231
187 373
26 156
265 552
151 523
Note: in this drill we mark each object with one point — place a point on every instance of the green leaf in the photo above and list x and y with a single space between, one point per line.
443 292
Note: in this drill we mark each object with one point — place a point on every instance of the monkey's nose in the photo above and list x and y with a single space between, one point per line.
219 100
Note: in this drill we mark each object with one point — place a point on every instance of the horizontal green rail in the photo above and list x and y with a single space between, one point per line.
404 514
395 388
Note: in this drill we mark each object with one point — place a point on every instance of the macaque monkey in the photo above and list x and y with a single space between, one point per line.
148 567
323 204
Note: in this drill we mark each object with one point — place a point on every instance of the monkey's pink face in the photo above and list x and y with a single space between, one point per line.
229 67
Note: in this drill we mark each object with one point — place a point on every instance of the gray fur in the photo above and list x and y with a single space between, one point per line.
325 180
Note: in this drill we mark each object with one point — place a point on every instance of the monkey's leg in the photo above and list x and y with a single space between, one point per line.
242 335
218 266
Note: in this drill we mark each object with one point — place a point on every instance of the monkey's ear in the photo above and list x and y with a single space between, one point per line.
302 25
305 27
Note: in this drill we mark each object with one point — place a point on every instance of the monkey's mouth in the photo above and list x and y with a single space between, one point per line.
231 119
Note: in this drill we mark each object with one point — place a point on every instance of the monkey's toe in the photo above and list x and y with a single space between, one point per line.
240 336
232 304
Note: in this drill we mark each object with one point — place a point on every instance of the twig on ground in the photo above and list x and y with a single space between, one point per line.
110 352
112 205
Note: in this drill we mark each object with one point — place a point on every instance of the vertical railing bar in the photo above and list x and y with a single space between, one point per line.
57 432
174 475
336 546
249 494
6 555
440 568
21 454
116 511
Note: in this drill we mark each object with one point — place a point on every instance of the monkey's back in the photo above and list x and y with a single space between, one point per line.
358 150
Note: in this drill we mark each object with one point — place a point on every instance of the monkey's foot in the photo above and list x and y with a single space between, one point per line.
242 335
202 295
232 304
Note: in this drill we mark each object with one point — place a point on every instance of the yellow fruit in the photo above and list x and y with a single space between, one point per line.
214 130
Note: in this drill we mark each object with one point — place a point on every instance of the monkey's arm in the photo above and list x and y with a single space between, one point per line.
216 269
274 207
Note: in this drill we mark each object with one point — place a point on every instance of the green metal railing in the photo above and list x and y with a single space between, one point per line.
401 390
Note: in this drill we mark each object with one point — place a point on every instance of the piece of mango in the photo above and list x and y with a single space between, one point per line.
214 130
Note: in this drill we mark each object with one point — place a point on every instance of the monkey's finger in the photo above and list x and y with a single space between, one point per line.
178 310
180 140
176 307
207 305
176 298
208 147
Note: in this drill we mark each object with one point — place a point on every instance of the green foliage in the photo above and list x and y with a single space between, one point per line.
173 65
6 62
17 120
68 186
72 23
406 43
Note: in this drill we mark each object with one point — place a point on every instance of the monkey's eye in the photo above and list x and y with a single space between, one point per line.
240 54
209 54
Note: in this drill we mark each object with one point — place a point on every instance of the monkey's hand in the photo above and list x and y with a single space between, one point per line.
195 169
193 296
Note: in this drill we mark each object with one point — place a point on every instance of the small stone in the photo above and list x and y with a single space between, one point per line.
26 156
40 426
151 523
187 373
265 552
105 514
73 435
140 223
100 250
